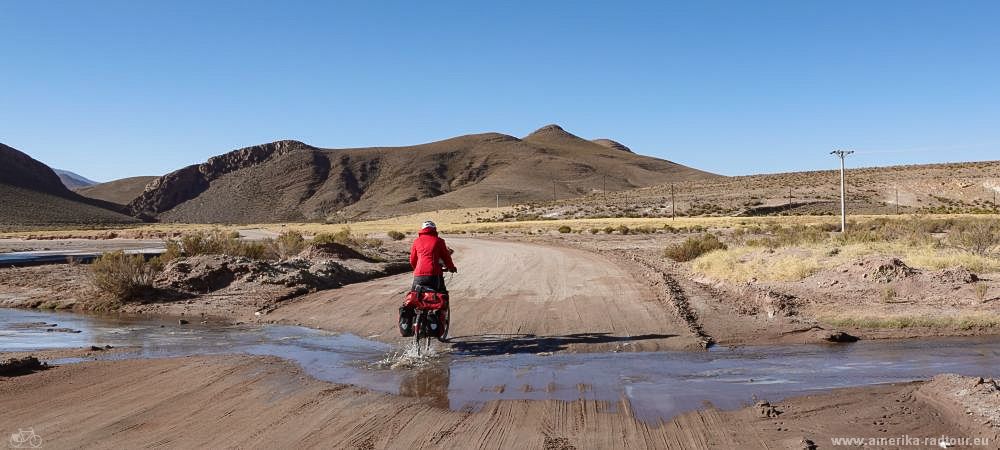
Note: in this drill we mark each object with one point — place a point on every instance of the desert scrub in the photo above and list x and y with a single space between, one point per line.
888 294
744 264
960 322
981 238
982 290
219 242
777 236
396 235
934 258
288 244
346 237
565 229
123 277
694 247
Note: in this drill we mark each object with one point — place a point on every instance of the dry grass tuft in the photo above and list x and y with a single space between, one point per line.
960 322
123 277
694 247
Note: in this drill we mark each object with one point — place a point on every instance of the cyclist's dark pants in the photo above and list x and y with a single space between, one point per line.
434 282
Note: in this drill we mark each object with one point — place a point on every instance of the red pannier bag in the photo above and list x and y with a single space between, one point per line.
426 300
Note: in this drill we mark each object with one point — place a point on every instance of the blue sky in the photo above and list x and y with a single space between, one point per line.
111 89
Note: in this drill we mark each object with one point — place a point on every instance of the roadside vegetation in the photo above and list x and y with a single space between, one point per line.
123 277
694 247
791 253
960 322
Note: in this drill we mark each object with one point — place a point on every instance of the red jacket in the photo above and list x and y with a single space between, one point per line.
428 249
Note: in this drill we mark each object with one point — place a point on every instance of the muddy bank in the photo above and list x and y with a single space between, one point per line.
712 314
81 353
258 402
220 286
868 297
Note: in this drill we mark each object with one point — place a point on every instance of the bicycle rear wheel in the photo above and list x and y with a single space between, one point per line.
445 323
419 328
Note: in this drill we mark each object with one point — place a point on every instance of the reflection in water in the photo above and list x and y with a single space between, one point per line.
428 382
657 385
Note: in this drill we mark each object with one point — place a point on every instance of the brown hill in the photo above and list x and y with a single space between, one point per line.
289 180
31 194
119 192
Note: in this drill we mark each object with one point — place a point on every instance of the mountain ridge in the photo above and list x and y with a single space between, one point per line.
290 180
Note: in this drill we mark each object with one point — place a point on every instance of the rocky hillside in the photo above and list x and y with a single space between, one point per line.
290 180
31 194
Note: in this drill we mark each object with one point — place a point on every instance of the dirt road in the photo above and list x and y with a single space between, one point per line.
511 297
260 402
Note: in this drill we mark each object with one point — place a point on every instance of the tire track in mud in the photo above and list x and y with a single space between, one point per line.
674 294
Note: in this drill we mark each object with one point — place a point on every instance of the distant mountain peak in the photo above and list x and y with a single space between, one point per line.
72 180
551 131
612 144
550 127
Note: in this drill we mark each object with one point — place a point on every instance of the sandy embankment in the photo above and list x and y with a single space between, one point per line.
260 402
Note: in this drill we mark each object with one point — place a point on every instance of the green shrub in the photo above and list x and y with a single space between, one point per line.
565 229
288 244
122 276
172 252
396 236
694 247
979 238
218 242
345 237
609 230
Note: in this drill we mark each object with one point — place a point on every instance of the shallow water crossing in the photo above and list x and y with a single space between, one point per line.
657 385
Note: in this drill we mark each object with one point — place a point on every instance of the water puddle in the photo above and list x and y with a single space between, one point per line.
657 385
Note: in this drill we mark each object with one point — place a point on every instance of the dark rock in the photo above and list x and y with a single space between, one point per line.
765 409
838 336
21 366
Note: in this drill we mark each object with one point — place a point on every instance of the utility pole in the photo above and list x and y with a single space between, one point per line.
897 200
673 204
843 189
789 196
498 200
605 190
553 190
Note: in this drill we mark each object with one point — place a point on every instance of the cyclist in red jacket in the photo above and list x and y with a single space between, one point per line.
429 258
